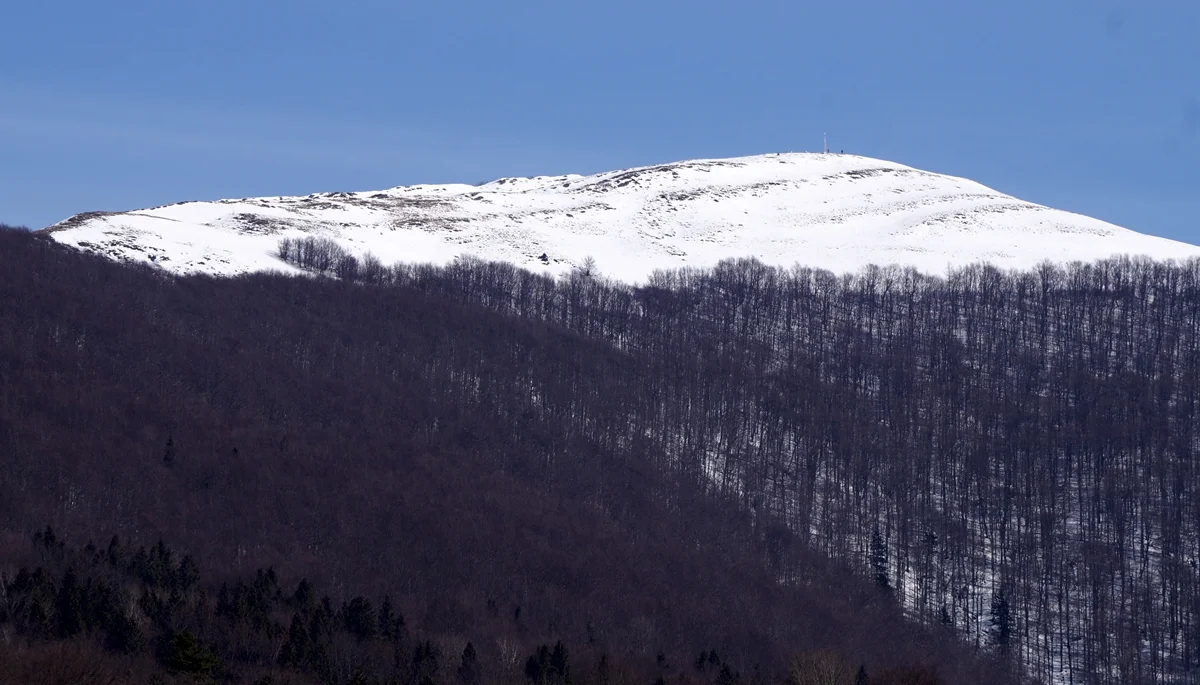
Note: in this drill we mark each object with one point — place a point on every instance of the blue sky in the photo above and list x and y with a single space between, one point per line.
1088 105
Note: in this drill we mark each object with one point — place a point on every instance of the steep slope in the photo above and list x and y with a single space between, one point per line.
838 212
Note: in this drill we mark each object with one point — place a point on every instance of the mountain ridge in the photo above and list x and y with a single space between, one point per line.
835 211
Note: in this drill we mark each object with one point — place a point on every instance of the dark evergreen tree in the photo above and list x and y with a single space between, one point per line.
424 665
360 619
304 597
183 653
122 634
114 553
1001 621
879 560
188 576
69 606
468 669
533 669
549 666
391 622
603 670
560 664
226 606
298 647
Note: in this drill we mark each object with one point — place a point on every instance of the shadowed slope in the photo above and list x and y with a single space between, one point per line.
476 466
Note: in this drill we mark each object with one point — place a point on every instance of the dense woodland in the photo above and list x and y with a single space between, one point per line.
985 472
1011 454
389 442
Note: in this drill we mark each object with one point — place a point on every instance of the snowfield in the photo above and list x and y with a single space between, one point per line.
834 211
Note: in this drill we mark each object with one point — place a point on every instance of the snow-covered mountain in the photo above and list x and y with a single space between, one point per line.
838 212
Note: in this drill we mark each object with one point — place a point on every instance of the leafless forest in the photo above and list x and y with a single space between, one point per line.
969 475
1011 454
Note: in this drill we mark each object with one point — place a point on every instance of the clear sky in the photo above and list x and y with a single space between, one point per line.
1087 105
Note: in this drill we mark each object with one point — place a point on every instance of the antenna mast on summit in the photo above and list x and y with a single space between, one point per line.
825 137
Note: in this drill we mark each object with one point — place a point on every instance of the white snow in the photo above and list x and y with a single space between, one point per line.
838 212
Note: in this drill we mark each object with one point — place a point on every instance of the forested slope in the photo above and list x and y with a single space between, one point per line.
746 458
509 480
1011 453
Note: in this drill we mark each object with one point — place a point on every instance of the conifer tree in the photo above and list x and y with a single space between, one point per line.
69 606
295 651
391 622
122 634
183 653
560 664
424 663
188 575
359 618
1001 621
879 561
468 670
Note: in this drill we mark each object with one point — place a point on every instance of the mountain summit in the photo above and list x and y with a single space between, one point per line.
834 211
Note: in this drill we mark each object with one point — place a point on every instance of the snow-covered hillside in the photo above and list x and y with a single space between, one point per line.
838 212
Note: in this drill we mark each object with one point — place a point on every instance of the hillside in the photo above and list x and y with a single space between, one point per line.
837 212
480 468
896 465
